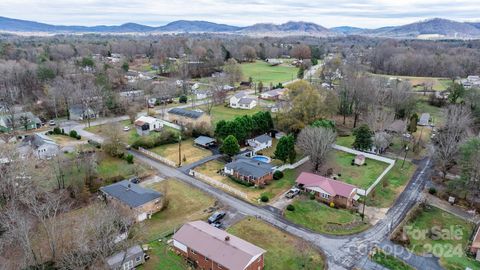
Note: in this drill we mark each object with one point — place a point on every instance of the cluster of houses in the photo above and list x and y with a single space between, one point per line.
471 82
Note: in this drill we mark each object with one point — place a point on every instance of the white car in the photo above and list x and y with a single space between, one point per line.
51 123
126 128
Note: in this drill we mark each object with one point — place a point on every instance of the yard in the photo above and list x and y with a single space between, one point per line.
438 84
390 261
274 189
162 257
449 247
190 152
321 218
220 112
360 176
110 168
284 251
264 72
184 204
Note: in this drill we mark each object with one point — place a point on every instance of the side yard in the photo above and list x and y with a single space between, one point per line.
190 152
284 251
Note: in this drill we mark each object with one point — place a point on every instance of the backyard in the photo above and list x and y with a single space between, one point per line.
284 251
450 247
274 189
162 257
321 218
266 73
184 204
438 84
190 152
220 112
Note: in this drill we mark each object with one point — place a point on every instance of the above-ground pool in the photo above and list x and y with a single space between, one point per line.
262 159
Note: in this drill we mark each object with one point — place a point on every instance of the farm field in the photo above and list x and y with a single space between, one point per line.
264 72
284 251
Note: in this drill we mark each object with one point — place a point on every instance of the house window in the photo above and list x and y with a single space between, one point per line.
138 259
206 259
325 196
128 265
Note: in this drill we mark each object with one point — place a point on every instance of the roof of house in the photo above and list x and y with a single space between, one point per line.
219 246
186 113
398 126
424 118
145 119
246 100
240 94
250 167
204 140
263 138
333 187
274 92
38 139
131 194
119 257
6 119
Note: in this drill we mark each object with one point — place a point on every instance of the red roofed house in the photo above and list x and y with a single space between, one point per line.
475 247
209 248
328 190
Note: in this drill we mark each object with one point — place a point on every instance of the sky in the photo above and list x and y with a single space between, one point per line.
328 13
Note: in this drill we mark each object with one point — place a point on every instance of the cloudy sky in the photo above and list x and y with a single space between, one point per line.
329 13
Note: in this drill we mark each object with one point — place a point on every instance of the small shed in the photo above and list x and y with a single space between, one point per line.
204 141
424 119
130 259
359 160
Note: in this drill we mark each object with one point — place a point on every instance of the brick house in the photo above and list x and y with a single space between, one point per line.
328 190
133 199
250 170
209 248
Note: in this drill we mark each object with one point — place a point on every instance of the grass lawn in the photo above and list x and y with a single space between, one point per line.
438 84
190 152
162 257
284 251
110 167
435 112
274 189
63 140
220 112
451 250
390 261
387 191
346 141
262 71
318 216
360 176
184 204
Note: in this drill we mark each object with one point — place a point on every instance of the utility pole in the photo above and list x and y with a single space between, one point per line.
405 157
179 150
364 203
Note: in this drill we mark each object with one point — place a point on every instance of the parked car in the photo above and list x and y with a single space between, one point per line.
217 216
292 193
217 224
126 128
51 123
135 180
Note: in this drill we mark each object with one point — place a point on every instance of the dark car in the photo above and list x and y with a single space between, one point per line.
216 217
135 180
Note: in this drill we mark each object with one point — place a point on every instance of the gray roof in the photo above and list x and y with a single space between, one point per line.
424 118
263 138
131 194
250 167
119 257
186 113
38 139
204 140
7 118
240 95
246 100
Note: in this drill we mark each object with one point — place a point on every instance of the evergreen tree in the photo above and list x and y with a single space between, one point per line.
286 149
412 126
363 138
230 146
260 86
300 73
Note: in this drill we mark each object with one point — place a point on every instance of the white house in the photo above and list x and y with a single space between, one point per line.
42 146
242 101
260 142
145 124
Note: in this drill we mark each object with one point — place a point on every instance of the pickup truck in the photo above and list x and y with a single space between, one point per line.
292 193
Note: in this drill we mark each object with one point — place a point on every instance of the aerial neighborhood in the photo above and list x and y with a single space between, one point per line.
288 146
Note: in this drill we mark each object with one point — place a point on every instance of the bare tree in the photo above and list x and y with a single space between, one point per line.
301 52
316 142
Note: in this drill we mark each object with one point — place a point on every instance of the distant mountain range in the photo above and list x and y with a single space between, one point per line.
429 29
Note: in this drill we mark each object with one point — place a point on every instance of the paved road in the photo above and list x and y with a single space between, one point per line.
79 127
342 252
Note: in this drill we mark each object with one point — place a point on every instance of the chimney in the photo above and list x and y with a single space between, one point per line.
227 238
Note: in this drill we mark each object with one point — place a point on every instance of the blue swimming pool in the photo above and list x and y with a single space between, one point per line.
262 159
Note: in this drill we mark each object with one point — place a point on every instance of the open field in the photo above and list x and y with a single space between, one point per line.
184 204
274 189
438 84
190 152
264 72
319 217
360 176
450 248
390 261
220 112
284 251
115 168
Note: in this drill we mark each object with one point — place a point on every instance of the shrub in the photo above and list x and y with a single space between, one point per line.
432 190
183 99
290 207
245 183
332 205
129 158
277 175
312 196
63 131
57 130
264 198
73 134
79 137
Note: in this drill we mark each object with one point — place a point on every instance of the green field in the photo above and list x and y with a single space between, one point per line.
284 251
438 84
318 216
264 72
449 248
220 112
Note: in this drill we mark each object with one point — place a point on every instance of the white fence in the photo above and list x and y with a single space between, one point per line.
217 183
294 165
389 161
157 157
